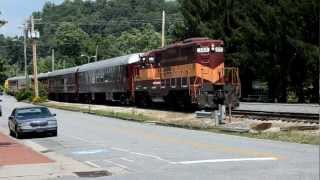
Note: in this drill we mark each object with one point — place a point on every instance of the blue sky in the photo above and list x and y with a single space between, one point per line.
17 11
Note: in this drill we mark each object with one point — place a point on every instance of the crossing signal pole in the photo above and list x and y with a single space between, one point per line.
163 28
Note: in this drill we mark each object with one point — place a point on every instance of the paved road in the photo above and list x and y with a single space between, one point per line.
145 151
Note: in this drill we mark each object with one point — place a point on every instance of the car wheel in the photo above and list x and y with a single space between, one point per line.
18 135
11 133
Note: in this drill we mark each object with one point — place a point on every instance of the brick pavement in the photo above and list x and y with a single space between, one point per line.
14 153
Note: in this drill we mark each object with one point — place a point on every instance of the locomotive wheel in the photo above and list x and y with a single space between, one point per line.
124 100
143 100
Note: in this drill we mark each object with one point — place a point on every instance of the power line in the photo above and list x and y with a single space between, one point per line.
110 21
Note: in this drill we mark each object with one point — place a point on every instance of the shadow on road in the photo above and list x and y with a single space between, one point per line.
35 136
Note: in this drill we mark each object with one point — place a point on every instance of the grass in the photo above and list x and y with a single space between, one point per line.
288 136
123 115
132 116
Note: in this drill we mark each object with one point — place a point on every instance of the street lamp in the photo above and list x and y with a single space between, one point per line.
2 22
89 57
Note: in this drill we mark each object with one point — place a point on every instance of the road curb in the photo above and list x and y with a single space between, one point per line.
35 146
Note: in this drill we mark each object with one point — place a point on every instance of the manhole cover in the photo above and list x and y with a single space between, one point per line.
89 174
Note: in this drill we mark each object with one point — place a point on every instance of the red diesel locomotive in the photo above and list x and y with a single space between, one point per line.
187 73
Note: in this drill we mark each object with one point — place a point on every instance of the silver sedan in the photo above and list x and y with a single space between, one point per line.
35 119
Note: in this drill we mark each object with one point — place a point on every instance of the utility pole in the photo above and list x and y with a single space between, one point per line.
52 60
25 33
34 58
16 69
163 28
96 58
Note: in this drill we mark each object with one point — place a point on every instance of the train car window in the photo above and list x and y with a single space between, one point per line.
60 82
108 76
157 57
188 52
171 53
101 76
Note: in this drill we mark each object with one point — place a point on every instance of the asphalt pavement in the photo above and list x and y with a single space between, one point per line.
280 107
131 150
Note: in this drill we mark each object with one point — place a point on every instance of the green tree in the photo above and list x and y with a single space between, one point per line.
135 40
273 41
69 40
3 75
44 65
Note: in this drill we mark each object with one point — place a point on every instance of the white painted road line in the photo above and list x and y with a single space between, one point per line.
92 164
225 160
117 164
94 151
149 155
140 154
119 149
125 159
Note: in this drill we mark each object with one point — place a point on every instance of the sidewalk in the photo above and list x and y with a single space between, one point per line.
27 160
14 153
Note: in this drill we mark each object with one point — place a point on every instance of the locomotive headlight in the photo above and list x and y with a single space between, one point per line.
219 49
203 50
151 59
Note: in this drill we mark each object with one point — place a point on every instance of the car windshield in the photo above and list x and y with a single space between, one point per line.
31 113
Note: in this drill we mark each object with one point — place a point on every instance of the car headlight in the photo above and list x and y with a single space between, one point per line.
52 122
24 126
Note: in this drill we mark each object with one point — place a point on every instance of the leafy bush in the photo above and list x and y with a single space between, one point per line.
37 100
27 94
23 94
43 93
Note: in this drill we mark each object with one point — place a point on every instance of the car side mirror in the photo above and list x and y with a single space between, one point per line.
0 100
10 118
54 114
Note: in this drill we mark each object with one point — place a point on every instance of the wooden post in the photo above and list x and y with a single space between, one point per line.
34 59
230 116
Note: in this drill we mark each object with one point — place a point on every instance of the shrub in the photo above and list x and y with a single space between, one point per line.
43 93
37 100
23 94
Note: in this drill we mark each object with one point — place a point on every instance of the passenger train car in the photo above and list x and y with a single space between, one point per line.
14 84
187 73
104 81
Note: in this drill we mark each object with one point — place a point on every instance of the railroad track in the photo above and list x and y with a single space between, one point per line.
285 116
